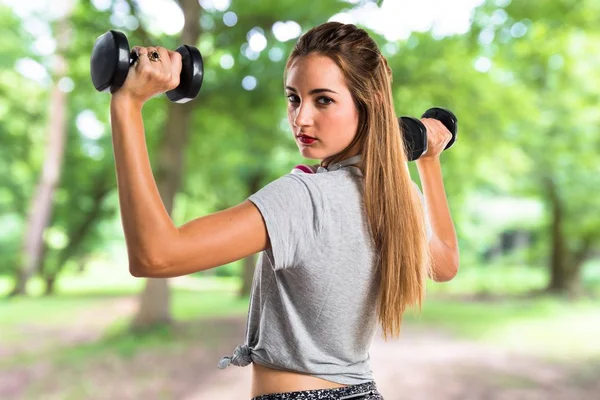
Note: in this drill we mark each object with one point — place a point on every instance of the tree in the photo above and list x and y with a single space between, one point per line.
545 48
40 210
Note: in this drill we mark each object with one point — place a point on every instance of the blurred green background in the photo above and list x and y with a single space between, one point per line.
520 320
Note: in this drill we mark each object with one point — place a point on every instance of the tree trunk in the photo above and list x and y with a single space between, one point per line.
558 273
249 262
49 284
40 209
565 263
154 306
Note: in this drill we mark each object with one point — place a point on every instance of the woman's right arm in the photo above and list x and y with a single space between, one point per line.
155 246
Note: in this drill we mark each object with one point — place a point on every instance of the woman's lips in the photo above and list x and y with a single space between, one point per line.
306 140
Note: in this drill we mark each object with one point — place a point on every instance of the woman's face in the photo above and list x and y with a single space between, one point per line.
320 106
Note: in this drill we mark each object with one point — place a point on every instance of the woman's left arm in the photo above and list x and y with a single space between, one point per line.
444 243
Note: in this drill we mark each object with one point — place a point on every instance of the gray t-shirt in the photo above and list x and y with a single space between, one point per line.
313 299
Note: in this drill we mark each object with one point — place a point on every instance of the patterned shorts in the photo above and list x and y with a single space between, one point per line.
363 391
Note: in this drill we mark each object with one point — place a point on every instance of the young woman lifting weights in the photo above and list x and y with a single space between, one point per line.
344 245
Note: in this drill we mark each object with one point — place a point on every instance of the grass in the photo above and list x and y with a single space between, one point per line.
543 326
78 292
51 310
100 280
508 280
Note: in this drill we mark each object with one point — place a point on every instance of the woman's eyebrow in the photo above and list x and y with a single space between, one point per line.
320 90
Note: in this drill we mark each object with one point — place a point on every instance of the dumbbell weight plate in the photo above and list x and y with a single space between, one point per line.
415 137
447 118
192 74
110 61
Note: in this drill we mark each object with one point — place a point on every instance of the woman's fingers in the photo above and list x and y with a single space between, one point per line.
167 67
443 132
138 49
176 65
143 66
150 75
164 62
171 65
438 136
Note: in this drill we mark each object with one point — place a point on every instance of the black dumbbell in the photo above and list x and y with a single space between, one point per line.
111 59
415 133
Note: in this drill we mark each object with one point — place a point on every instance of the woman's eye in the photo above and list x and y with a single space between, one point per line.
321 100
326 99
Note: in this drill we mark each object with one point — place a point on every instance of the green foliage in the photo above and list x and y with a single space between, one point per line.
530 119
551 59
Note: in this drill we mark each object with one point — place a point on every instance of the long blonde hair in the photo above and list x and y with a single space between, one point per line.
393 208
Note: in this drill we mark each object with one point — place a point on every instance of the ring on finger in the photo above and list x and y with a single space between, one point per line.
154 55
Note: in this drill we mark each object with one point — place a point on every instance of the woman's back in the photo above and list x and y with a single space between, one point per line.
314 292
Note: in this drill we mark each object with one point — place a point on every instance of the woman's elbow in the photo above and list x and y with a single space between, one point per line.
447 270
147 269
446 275
136 271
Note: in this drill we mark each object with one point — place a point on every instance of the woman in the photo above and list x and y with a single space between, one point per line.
343 244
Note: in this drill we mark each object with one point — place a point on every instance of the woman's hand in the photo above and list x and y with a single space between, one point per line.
438 136
147 78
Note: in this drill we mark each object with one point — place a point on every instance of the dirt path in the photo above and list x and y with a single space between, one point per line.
423 364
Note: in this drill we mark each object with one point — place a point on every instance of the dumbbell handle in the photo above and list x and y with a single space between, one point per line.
133 57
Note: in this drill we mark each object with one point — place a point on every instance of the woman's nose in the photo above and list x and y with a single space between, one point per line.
303 116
